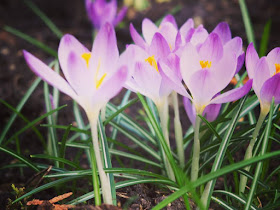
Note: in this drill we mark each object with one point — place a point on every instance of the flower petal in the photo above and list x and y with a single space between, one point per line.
169 32
120 16
270 89
69 43
240 62
212 111
233 95
138 40
273 58
169 19
190 110
105 52
148 30
186 27
189 62
251 60
48 75
198 36
223 31
261 75
211 49
159 47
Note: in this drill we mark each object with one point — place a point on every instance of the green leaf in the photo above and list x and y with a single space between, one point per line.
265 39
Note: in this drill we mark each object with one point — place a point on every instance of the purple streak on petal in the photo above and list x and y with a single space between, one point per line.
105 51
261 75
169 32
189 24
120 16
69 43
159 47
148 29
178 41
251 60
211 49
211 112
48 75
190 110
240 62
169 19
233 95
223 31
270 89
273 57
79 76
138 40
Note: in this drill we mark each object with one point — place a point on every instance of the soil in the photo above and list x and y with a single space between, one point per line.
70 17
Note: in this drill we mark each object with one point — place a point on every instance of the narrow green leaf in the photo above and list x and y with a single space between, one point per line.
46 20
265 39
31 40
63 143
19 157
247 22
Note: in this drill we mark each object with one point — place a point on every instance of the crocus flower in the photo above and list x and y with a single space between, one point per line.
265 74
168 29
101 11
92 79
210 112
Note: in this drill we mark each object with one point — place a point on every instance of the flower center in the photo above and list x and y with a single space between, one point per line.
277 68
152 61
86 56
205 64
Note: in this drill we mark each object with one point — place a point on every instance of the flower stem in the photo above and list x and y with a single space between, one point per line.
163 115
104 179
178 130
196 150
249 151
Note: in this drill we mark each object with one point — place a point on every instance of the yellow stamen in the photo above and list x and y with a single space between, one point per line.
86 56
277 67
205 64
152 61
98 82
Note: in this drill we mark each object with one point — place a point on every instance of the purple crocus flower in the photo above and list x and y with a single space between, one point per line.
168 29
265 74
210 112
207 70
92 78
101 11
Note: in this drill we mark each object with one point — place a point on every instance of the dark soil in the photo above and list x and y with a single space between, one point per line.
70 17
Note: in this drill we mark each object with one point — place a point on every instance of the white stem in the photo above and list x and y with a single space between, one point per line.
104 179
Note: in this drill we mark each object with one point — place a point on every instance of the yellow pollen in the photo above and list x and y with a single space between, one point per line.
86 56
98 82
277 67
151 60
205 64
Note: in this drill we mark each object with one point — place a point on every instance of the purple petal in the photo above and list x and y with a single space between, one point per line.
198 36
79 76
273 58
261 75
148 30
234 45
110 87
212 111
138 40
120 16
190 110
270 89
233 95
251 60
169 32
211 49
169 19
105 52
48 75
240 62
159 47
69 43
186 27
189 62
223 31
